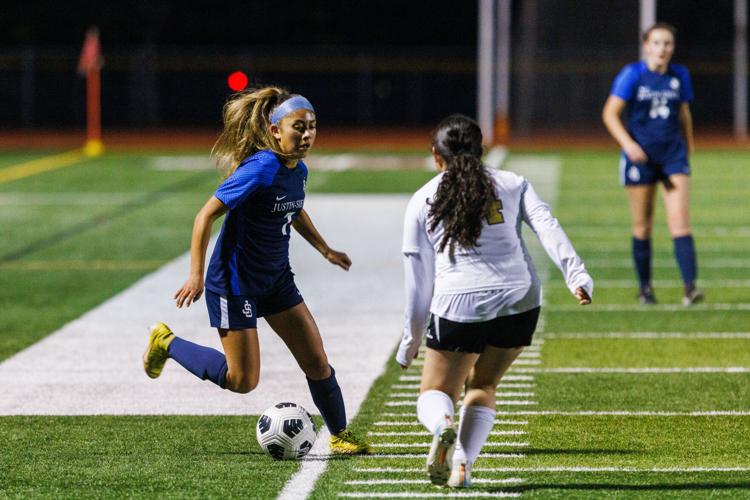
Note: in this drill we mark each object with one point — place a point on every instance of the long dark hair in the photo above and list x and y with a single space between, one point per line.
466 190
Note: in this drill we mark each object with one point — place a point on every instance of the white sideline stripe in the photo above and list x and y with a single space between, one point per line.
380 470
500 402
511 444
422 456
648 335
695 369
739 306
396 423
712 413
312 466
426 433
458 494
360 482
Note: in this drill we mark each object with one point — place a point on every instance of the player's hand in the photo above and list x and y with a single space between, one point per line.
406 367
582 296
190 291
339 259
636 154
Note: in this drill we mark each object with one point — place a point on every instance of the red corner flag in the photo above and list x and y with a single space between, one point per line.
89 65
90 53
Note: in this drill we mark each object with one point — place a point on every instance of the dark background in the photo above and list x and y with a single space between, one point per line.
377 63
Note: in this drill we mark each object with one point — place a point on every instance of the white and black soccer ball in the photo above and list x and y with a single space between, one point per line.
286 431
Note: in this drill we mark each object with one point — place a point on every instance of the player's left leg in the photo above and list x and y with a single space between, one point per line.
443 377
298 330
676 192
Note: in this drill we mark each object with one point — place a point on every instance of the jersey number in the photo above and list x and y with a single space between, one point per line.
495 214
286 228
659 108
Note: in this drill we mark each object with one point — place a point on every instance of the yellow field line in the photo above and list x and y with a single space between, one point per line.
40 165
81 265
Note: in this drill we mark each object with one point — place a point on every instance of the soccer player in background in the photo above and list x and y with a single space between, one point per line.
656 142
267 132
465 263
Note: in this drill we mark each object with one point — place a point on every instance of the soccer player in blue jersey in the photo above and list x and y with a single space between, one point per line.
656 142
267 133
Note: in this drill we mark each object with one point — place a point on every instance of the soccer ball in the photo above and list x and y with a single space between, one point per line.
286 431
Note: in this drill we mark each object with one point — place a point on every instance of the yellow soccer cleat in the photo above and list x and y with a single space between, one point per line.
160 336
346 443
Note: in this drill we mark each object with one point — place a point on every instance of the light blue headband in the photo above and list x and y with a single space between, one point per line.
289 106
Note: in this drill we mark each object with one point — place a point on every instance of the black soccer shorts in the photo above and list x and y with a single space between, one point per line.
504 332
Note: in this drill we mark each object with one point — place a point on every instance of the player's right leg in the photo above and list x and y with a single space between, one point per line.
641 203
505 341
238 370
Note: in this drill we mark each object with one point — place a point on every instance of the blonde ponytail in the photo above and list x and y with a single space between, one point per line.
246 127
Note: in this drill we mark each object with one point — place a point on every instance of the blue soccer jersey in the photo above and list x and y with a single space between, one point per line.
264 197
653 104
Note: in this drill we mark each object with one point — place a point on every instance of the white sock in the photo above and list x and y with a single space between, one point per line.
459 456
473 429
432 408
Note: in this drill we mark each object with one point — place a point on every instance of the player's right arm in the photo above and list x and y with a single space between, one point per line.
193 287
612 118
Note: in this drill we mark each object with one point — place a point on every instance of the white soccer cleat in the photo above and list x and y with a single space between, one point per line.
460 476
440 459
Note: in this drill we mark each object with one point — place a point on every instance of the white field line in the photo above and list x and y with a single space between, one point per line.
489 482
648 335
426 445
422 456
380 470
529 354
584 369
502 402
509 378
503 385
426 433
711 413
593 308
623 413
717 263
415 394
458 494
415 423
661 284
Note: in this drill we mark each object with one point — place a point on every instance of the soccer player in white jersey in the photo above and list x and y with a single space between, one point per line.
471 279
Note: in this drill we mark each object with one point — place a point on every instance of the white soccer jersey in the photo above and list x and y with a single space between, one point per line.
497 277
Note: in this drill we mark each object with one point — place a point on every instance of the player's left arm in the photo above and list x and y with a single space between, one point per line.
305 227
686 125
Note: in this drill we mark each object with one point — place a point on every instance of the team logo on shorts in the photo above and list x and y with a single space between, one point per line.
634 174
247 310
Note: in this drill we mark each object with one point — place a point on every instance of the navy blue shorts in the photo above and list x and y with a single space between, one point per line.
651 172
239 312
504 332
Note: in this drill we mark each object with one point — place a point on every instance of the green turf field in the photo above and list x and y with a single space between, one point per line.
614 400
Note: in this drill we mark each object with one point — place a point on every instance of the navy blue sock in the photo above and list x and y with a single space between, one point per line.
326 394
684 252
642 258
203 362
